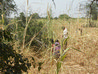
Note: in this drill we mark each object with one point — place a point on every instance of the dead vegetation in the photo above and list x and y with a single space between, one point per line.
85 62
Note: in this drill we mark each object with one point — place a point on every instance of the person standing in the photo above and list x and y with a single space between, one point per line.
57 48
65 36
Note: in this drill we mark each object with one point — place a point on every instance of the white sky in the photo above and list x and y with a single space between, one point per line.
70 7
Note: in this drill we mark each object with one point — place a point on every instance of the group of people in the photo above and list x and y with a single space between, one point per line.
56 44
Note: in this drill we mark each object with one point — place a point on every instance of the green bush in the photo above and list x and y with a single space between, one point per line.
11 62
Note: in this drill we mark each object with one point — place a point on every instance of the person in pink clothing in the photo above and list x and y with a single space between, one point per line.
57 49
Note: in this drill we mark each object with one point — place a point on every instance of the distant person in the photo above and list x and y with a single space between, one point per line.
80 29
57 48
65 36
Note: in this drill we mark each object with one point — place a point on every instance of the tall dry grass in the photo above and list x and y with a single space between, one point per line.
85 62
75 62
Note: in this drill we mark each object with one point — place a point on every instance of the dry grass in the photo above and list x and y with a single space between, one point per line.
75 62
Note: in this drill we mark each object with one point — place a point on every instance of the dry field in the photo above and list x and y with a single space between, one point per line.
85 62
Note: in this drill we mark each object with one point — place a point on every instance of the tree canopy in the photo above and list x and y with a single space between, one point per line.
35 16
94 11
62 16
7 6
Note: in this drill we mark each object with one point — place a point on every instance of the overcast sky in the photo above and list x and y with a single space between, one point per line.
70 7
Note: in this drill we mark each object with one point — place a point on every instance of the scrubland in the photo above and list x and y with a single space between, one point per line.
84 62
